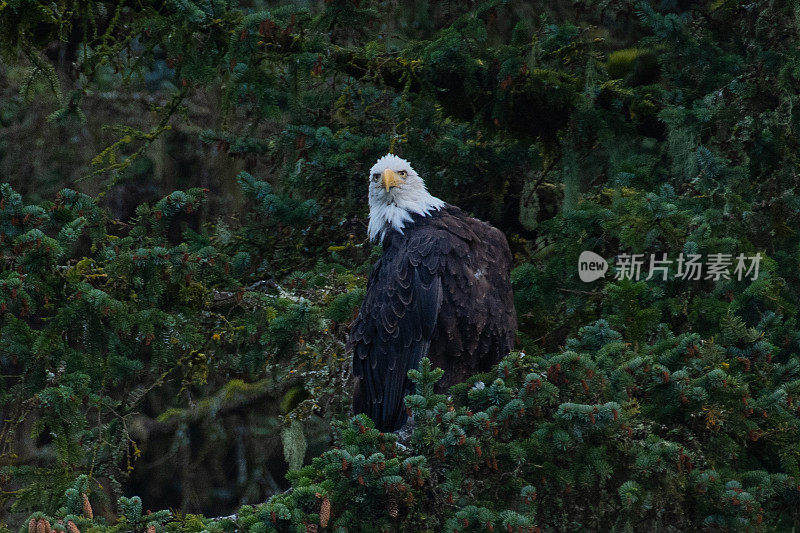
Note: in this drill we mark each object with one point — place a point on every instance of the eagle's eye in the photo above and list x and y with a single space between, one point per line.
376 177
402 173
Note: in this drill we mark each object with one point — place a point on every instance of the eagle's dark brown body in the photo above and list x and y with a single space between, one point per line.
441 289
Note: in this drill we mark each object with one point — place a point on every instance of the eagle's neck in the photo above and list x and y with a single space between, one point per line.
398 213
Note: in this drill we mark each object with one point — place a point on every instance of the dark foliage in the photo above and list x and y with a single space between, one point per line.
187 345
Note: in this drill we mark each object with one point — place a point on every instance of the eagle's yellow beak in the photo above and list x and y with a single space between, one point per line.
391 179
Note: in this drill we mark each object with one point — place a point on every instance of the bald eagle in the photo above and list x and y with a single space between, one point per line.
441 289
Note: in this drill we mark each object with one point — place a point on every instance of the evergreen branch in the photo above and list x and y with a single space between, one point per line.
41 65
109 154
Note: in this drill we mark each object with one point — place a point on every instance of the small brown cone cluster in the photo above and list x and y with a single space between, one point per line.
151 528
39 525
324 512
72 528
87 507
312 528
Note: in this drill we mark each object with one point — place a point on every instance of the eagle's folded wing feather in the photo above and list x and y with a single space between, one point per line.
393 329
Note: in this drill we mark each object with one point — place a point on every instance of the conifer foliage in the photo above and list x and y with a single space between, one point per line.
187 345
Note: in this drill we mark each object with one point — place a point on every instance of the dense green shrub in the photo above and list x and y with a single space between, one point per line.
97 315
202 331
680 435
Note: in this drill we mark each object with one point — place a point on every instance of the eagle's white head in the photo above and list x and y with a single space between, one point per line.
395 192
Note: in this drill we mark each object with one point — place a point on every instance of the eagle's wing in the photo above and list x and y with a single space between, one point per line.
394 327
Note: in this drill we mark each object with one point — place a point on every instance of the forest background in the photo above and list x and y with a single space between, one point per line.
183 245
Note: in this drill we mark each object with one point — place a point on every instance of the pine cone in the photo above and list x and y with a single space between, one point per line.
72 528
43 526
32 525
151 528
87 507
312 528
394 509
325 512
